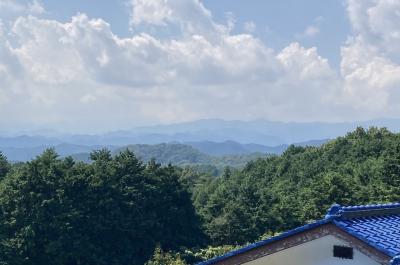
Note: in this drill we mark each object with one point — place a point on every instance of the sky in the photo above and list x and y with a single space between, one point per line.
101 65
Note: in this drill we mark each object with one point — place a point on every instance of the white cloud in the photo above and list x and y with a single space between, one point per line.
155 12
310 86
305 63
191 16
46 51
370 59
79 74
384 21
10 70
377 22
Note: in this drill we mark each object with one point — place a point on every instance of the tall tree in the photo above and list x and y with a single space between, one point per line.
4 166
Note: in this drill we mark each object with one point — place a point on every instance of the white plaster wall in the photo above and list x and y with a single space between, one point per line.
316 252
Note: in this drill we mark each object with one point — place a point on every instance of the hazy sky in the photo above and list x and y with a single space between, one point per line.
94 65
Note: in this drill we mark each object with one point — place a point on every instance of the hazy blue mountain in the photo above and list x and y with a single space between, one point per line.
24 141
28 153
193 152
22 154
235 148
260 131
214 137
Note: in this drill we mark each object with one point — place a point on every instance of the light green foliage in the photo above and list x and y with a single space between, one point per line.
210 252
184 155
162 258
281 192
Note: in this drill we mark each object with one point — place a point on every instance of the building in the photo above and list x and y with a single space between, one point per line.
368 235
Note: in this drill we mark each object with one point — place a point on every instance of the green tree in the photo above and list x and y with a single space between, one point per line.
112 211
4 166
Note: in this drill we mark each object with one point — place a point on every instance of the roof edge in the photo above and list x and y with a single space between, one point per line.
336 212
267 241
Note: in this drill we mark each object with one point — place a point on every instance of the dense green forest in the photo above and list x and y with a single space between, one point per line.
183 155
186 155
119 210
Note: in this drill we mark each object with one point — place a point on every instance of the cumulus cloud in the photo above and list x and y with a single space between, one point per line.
370 59
46 52
155 12
377 22
80 71
79 74
191 16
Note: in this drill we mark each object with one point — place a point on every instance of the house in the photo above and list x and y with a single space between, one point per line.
368 235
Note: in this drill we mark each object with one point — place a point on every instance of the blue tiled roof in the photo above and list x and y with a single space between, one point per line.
376 225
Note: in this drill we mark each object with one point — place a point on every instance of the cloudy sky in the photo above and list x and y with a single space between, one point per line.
98 65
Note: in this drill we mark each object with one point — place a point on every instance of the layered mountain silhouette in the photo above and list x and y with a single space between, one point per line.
213 137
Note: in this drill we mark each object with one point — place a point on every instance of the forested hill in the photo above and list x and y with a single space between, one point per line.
182 155
281 192
118 210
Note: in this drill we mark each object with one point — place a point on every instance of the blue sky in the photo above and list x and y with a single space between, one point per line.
101 65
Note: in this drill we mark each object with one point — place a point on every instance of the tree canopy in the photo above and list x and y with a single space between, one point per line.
118 210
113 211
281 192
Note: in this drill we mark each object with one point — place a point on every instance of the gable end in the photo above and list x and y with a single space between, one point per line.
304 237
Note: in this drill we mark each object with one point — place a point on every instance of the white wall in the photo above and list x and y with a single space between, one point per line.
316 252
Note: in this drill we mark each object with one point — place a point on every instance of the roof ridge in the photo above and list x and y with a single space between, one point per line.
347 212
371 206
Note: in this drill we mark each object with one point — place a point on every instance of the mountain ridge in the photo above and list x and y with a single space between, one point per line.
263 132
211 136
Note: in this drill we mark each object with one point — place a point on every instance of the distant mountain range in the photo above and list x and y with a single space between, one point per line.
210 137
247 132
235 148
176 153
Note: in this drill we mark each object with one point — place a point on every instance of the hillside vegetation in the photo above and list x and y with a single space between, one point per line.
118 210
182 155
281 192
